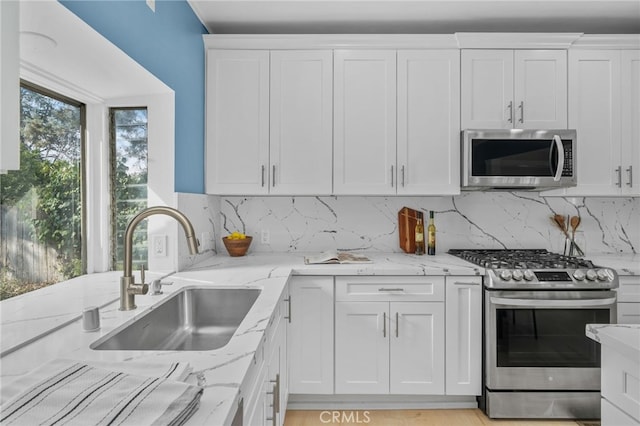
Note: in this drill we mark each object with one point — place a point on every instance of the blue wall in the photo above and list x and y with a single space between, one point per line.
168 43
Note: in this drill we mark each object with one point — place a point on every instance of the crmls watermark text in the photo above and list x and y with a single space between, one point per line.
348 417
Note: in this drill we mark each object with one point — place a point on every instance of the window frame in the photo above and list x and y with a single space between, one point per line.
83 158
112 172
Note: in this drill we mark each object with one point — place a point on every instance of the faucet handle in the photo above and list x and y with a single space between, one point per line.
142 274
156 286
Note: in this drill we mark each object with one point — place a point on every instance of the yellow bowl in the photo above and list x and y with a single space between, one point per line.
237 248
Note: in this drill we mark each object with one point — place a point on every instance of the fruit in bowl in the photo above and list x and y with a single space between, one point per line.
237 243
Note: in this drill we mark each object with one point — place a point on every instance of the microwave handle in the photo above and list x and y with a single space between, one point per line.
577 303
560 148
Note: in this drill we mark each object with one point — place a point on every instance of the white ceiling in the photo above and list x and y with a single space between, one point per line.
418 16
60 49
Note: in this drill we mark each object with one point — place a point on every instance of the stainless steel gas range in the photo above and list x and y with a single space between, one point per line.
538 363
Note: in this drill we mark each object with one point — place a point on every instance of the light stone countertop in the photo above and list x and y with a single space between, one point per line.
623 263
45 324
623 338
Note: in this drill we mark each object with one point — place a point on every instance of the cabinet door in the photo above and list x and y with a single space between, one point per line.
310 336
237 146
487 89
630 70
594 111
417 342
464 335
628 313
365 122
301 122
540 99
362 347
428 144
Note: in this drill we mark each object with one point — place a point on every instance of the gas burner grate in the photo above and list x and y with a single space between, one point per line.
520 259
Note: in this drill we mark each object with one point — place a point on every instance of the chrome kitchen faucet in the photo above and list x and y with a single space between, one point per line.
128 287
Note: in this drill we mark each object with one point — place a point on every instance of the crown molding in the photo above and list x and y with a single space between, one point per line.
516 40
423 41
330 41
608 41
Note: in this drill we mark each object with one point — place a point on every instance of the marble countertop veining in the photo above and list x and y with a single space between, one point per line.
30 344
623 338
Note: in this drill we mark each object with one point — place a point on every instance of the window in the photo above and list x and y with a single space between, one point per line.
128 182
41 205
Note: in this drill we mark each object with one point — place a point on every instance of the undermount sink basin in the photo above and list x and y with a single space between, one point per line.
192 319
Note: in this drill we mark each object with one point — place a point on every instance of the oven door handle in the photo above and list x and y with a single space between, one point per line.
550 303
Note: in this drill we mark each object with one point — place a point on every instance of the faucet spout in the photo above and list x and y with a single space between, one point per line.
128 287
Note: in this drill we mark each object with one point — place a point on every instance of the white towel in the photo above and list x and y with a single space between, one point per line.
76 393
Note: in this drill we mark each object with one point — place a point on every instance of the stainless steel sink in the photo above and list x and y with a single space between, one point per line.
192 319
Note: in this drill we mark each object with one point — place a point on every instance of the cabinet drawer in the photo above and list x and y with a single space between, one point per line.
629 290
629 313
390 288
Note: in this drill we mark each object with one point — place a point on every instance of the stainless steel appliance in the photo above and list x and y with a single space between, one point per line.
518 159
538 363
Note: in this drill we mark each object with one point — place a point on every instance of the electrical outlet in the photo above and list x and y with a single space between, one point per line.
206 242
159 245
265 236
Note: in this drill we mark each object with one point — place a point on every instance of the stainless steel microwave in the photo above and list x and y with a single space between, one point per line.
518 159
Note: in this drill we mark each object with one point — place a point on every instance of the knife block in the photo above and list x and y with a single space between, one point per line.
407 219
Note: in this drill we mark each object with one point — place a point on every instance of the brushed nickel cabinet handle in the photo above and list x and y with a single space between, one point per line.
273 175
463 283
397 325
630 173
510 106
263 175
288 300
390 289
392 176
521 106
403 176
384 324
619 173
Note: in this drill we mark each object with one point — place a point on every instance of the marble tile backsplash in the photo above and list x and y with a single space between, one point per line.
469 220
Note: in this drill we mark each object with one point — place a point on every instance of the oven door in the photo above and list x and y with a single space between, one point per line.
535 340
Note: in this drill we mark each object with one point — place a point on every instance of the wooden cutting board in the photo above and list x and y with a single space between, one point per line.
407 219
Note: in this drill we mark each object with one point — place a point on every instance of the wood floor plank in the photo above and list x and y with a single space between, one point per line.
467 417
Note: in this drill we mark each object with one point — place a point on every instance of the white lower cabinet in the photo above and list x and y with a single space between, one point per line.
463 335
266 392
629 300
310 335
391 339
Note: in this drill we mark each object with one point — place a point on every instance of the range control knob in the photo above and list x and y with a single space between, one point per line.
517 275
505 274
605 275
591 275
579 275
529 275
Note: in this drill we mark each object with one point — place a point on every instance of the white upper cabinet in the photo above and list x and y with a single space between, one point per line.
269 122
630 150
301 122
364 122
9 86
604 98
428 144
521 89
237 129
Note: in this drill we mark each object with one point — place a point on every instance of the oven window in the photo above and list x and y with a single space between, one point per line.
514 157
547 337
